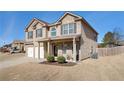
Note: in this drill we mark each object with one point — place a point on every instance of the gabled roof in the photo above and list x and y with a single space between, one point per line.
66 13
58 21
40 21
89 25
77 16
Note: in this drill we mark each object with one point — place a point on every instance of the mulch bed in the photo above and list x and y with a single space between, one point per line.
58 64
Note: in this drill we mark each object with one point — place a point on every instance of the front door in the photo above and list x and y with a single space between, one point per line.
55 50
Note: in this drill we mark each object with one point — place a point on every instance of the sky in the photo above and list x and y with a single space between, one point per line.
13 23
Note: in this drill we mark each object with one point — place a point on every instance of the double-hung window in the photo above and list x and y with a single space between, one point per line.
68 28
30 34
64 29
71 28
39 32
53 32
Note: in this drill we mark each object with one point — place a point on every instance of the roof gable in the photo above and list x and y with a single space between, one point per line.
78 18
59 21
38 21
68 13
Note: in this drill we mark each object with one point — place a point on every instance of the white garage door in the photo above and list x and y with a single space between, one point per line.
30 51
41 52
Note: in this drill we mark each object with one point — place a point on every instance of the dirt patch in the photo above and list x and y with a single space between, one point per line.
104 68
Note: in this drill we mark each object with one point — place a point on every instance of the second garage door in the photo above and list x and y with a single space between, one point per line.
41 52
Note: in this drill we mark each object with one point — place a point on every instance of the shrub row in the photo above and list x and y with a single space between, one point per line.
60 59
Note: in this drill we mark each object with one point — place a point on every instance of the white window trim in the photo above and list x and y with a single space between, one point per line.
41 32
28 34
72 28
53 31
67 29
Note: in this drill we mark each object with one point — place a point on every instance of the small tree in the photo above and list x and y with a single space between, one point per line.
108 38
118 35
113 37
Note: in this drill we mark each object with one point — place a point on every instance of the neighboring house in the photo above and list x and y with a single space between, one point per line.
5 48
110 45
70 36
107 45
18 44
7 45
121 43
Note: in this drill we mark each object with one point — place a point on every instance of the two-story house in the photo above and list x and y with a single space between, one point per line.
18 44
70 36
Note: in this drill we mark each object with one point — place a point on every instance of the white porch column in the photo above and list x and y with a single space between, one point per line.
74 50
38 50
33 51
48 47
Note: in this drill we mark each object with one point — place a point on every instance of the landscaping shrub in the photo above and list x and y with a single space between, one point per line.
61 59
50 58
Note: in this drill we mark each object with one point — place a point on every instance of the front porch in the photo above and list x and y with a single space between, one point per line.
68 46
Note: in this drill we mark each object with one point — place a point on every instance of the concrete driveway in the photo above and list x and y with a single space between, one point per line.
8 60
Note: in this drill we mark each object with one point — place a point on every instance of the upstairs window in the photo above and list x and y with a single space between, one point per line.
72 28
64 29
39 33
68 29
53 32
30 34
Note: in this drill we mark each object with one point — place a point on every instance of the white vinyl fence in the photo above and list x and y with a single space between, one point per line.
110 51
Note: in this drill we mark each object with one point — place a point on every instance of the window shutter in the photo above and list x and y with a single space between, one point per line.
28 34
61 29
75 28
36 33
41 32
